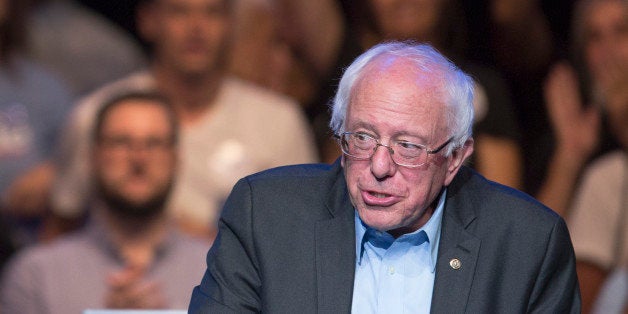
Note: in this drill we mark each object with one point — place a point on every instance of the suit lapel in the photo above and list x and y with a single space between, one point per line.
335 250
458 251
455 268
335 253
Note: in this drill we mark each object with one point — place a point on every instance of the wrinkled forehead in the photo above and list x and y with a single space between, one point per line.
403 76
424 73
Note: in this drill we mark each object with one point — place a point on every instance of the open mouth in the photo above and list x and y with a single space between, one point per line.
375 198
379 195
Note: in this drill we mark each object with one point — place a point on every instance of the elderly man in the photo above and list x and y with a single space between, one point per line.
129 255
398 224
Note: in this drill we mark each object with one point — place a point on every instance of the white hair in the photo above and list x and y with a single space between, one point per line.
457 86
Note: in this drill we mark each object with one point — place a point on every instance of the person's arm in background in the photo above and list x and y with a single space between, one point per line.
577 136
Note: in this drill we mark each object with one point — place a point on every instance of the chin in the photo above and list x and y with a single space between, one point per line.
142 203
379 220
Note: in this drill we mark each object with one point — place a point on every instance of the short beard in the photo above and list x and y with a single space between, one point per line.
126 208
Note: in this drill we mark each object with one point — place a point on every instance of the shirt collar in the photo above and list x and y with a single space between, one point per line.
431 229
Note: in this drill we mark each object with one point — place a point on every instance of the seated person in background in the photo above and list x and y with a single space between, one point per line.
592 195
576 96
33 106
397 224
229 127
129 254
598 217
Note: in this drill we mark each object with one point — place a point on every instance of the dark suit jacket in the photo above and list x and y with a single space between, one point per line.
287 245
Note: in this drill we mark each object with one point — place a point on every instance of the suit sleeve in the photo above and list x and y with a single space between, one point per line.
231 283
556 287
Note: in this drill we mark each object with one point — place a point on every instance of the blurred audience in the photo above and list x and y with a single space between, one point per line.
592 194
33 104
518 38
129 255
598 217
230 128
577 97
497 154
286 45
237 71
80 46
258 47
577 133
120 12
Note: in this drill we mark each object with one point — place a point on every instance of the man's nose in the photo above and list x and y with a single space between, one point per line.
139 150
382 164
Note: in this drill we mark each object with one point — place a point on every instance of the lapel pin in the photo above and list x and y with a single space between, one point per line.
455 263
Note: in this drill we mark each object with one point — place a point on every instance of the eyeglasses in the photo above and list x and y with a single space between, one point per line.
123 144
363 146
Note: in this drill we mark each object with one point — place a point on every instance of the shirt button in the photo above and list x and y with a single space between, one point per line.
391 270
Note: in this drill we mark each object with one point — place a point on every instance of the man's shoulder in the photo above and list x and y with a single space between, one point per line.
62 251
314 171
473 194
607 165
303 182
249 94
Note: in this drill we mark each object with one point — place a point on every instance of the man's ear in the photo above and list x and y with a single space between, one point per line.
457 159
146 20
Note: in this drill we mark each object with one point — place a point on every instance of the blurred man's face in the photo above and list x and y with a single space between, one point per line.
391 103
406 19
188 36
135 160
606 53
606 34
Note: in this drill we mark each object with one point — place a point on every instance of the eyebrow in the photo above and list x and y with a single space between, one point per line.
368 126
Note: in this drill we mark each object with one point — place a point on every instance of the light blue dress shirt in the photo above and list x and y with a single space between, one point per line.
396 275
